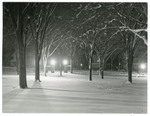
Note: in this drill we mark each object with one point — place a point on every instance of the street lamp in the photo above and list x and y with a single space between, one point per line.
65 62
81 66
52 62
143 66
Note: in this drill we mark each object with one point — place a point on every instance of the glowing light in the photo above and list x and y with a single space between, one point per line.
81 65
53 62
65 62
143 66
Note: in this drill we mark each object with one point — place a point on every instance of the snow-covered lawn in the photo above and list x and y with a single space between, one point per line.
73 93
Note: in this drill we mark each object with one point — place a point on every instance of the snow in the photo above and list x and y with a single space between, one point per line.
74 93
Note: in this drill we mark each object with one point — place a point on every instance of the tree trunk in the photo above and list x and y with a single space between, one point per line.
90 68
130 51
61 68
37 69
71 68
101 68
37 64
130 64
45 67
102 74
60 61
22 67
22 54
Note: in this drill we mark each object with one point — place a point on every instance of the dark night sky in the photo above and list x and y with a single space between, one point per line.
64 11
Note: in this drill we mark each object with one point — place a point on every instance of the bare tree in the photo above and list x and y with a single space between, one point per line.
133 19
40 20
18 13
107 45
64 48
95 23
51 43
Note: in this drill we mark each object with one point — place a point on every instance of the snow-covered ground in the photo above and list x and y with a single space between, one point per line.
74 93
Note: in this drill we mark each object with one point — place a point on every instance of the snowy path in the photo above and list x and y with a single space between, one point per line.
75 94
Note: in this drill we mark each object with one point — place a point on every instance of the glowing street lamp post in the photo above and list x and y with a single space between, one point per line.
81 66
143 66
53 62
65 62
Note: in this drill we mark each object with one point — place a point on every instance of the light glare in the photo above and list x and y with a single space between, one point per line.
65 62
53 62
143 66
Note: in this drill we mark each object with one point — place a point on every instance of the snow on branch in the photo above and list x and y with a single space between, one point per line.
129 17
24 10
97 7
77 15
114 34
81 9
136 32
111 20
89 19
141 37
